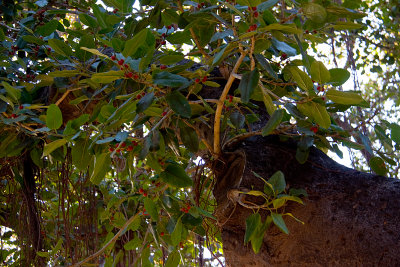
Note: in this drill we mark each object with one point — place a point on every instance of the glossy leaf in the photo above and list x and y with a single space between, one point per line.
248 84
179 104
252 223
189 137
237 119
102 164
319 72
177 233
151 208
316 112
346 98
165 78
277 181
314 12
378 166
81 154
301 78
14 93
54 117
273 122
176 176
144 102
279 222
60 47
338 76
50 147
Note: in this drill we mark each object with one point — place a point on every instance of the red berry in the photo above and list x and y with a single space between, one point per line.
14 116
163 42
164 113
21 107
203 4
199 6
41 37
314 129
123 144
323 98
256 14
121 62
197 80
145 194
284 56
141 191
163 67
111 149
115 10
307 32
113 57
163 35
314 31
230 98
169 27
204 79
49 49
138 97
135 76
249 8
254 8
129 75
143 93
129 148
162 234
126 66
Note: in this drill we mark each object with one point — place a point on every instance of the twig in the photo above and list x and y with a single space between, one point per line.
117 235
220 104
66 94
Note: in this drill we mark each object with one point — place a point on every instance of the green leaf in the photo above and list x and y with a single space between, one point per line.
88 20
247 84
273 122
173 259
33 39
107 77
80 154
395 133
316 112
237 119
176 176
252 223
277 181
144 102
101 166
314 12
60 47
179 104
301 78
100 16
378 166
165 78
151 208
258 237
266 5
50 147
284 47
319 72
346 98
132 45
47 28
338 76
94 51
177 233
14 93
54 117
279 222
171 59
265 64
189 137
57 247
133 244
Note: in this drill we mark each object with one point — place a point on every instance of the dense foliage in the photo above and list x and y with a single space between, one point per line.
113 113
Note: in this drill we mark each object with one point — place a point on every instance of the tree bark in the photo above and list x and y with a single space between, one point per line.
350 218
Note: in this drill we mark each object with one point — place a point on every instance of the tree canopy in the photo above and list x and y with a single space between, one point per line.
114 116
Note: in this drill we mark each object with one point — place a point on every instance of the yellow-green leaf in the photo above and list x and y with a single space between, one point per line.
316 112
94 51
319 72
50 147
107 77
346 98
14 93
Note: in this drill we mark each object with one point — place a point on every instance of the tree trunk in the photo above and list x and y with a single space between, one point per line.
350 218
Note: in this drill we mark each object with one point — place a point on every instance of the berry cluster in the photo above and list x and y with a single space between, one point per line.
125 67
186 208
200 5
253 10
143 192
252 28
119 147
198 80
314 128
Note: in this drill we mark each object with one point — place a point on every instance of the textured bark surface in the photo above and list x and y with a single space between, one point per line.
351 218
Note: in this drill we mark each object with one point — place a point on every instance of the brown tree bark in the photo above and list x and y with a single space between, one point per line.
351 218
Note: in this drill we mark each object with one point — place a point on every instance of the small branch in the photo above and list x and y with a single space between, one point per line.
195 39
66 94
117 235
220 104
